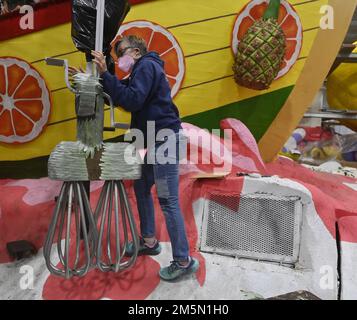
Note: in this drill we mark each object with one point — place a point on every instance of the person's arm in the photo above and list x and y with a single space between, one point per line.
132 96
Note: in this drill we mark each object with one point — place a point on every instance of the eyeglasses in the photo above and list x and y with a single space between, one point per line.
122 52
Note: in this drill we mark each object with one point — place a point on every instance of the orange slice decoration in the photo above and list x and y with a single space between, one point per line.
24 101
288 20
162 41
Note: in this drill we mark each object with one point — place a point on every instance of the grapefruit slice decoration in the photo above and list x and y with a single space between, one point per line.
163 42
288 20
24 101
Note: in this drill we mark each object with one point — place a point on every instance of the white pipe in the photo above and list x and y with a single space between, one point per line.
99 27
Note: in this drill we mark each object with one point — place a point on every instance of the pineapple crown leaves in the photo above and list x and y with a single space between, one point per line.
273 10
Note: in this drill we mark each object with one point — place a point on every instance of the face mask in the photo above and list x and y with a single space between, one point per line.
126 63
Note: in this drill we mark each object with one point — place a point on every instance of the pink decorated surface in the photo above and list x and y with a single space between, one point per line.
26 207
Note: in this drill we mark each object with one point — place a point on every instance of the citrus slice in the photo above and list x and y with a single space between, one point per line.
24 101
162 41
288 20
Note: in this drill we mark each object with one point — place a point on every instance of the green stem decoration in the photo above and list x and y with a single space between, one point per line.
273 10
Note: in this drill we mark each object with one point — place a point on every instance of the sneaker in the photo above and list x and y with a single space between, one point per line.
175 271
143 249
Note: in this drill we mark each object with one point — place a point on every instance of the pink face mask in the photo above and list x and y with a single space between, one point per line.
126 63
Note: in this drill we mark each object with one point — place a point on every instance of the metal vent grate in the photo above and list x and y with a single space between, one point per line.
259 226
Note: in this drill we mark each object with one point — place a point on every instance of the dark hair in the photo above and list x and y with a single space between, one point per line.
133 41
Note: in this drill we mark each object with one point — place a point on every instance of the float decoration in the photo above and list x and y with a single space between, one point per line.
163 42
89 159
266 42
24 101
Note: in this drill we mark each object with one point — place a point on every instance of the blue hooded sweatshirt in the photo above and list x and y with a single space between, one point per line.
146 94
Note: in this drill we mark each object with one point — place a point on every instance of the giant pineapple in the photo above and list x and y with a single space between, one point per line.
261 51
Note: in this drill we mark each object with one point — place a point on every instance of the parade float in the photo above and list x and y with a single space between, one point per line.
261 229
203 38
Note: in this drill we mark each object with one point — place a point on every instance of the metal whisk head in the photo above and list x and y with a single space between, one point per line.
113 238
72 220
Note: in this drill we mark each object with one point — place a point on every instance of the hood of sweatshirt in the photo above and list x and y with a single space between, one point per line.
152 55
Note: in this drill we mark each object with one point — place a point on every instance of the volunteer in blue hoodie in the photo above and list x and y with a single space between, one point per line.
147 95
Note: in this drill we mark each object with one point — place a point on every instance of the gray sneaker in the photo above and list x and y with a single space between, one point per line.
175 271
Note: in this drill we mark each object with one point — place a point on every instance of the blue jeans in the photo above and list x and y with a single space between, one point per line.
166 178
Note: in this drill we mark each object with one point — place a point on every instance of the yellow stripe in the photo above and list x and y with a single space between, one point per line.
55 75
38 45
44 144
210 96
309 13
308 40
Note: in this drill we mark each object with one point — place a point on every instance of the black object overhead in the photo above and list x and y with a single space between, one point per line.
84 23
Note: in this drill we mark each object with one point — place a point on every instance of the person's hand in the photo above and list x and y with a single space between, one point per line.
73 70
99 60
